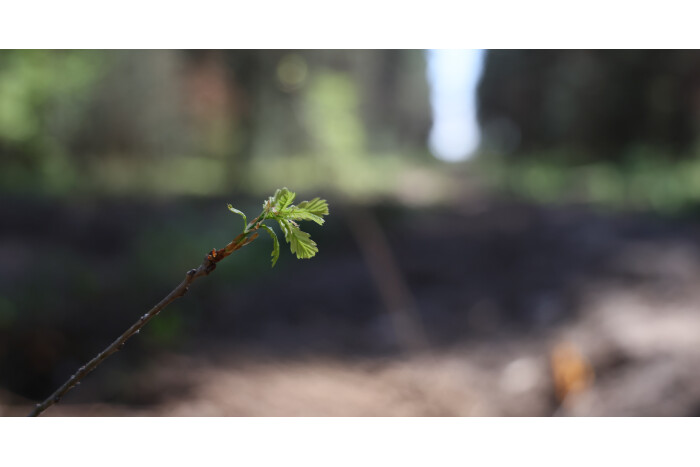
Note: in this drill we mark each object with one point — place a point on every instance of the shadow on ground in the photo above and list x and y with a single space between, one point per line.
496 290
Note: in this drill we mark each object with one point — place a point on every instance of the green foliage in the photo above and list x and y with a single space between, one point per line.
240 213
310 211
316 206
275 244
647 181
284 198
43 93
299 242
279 207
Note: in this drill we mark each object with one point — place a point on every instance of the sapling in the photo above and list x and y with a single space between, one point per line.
279 208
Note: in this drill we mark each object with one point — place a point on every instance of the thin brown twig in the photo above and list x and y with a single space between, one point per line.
207 266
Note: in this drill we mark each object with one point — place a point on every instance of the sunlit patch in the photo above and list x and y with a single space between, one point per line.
571 371
453 77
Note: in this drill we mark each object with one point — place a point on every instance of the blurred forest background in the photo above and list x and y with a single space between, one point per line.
552 270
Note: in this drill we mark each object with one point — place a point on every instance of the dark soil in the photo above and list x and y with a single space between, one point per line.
494 289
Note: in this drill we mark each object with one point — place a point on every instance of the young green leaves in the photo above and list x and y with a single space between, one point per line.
240 213
279 207
275 244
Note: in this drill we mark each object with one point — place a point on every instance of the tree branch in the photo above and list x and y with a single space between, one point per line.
207 266
278 207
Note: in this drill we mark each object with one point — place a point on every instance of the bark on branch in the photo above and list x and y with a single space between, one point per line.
207 266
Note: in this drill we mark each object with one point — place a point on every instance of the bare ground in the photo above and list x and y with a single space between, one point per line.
526 312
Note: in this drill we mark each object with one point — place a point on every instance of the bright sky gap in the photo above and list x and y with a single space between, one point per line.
453 76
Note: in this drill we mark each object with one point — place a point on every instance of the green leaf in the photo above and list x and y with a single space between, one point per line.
301 215
275 198
275 244
316 206
272 200
308 211
286 227
240 213
284 199
299 242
